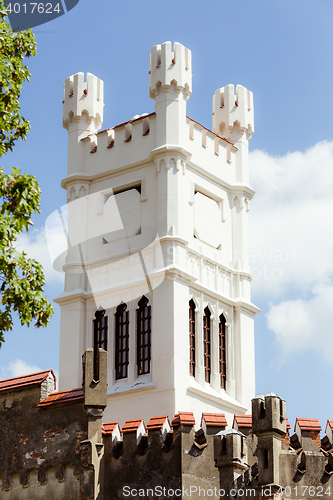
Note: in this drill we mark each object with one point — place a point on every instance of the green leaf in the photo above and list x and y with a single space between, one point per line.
21 278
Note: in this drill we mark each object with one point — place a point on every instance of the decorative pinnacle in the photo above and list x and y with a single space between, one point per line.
230 109
167 68
82 97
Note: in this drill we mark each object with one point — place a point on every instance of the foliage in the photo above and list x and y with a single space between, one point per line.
21 278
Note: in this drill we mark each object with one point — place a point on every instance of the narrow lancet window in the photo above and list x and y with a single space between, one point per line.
122 324
192 337
100 337
143 329
206 335
222 352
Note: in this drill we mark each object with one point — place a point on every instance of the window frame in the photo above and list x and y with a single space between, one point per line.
143 336
100 337
192 313
207 343
222 351
121 342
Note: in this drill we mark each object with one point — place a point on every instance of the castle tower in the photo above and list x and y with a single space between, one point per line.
157 270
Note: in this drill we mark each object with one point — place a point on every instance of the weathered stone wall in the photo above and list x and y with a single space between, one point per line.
38 444
58 451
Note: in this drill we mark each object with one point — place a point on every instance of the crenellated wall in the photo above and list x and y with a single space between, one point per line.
58 449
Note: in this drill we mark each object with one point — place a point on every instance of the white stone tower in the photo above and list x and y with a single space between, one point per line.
158 264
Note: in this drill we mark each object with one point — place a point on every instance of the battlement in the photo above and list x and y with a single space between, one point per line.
167 67
230 449
230 109
83 98
269 414
60 449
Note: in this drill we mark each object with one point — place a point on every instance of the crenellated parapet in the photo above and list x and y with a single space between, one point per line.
66 460
232 109
169 68
269 415
83 99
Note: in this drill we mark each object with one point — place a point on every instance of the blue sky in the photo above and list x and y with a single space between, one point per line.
282 52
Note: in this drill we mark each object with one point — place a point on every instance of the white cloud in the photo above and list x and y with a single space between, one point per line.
304 324
291 248
18 368
291 241
35 245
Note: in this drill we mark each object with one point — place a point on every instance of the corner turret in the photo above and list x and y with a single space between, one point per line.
82 112
233 120
167 68
170 85
269 425
230 111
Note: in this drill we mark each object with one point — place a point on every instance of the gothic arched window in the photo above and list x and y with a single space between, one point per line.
100 337
121 336
222 352
143 336
192 336
206 335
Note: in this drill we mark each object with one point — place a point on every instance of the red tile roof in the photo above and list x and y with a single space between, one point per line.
308 424
63 397
132 425
183 418
109 427
157 422
242 421
214 419
287 424
24 380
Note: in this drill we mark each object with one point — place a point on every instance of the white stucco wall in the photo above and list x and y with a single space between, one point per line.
182 194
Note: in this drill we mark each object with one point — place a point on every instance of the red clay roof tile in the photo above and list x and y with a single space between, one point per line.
109 427
214 419
183 418
63 397
157 422
287 424
242 421
24 380
132 425
308 424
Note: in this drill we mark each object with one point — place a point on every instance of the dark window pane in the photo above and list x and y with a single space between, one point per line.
121 341
192 337
206 332
143 336
222 352
100 325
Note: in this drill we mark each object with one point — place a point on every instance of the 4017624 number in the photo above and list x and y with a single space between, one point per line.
305 491
33 8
